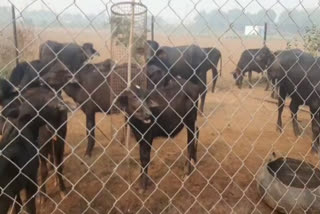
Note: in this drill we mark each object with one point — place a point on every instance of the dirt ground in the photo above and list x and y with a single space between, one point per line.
237 135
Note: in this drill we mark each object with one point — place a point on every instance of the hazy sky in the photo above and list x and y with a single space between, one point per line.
171 10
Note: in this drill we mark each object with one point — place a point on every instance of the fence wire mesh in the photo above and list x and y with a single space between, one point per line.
211 128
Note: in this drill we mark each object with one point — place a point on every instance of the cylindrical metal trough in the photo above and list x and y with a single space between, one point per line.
290 186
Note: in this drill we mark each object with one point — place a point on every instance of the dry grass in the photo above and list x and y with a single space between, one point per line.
27 46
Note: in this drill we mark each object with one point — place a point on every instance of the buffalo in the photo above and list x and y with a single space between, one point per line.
162 113
297 74
214 56
89 89
19 156
70 54
38 97
252 60
188 62
28 74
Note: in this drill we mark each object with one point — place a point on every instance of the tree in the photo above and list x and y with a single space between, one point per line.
294 21
263 16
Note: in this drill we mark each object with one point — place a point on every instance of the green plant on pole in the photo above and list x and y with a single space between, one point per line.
123 26
311 40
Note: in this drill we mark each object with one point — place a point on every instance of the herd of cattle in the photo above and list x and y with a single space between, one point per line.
34 114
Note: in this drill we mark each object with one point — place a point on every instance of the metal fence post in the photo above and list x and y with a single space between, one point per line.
265 33
15 33
152 28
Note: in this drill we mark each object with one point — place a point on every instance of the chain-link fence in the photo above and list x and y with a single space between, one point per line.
200 87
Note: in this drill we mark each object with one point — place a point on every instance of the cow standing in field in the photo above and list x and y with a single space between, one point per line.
214 56
53 56
271 70
252 60
162 113
188 62
70 54
298 76
89 89
28 74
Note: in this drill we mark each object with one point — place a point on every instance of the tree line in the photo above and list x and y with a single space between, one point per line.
217 21
287 22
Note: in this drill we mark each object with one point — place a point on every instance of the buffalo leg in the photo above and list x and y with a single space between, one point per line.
145 150
192 145
58 154
51 161
17 205
294 107
203 91
274 88
31 191
214 78
5 203
250 79
90 133
239 80
203 98
44 175
45 143
315 128
268 84
281 100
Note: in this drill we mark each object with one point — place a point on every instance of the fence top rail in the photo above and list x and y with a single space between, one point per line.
117 8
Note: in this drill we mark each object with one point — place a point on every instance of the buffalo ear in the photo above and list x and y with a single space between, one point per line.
28 113
89 50
152 103
61 107
13 113
162 54
123 101
108 64
153 45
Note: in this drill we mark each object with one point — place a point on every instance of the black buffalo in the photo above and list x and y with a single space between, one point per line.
162 113
298 76
89 89
188 62
19 156
271 70
28 74
214 56
38 97
252 60
70 54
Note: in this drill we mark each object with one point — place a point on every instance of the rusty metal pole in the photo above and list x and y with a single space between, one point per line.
15 33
